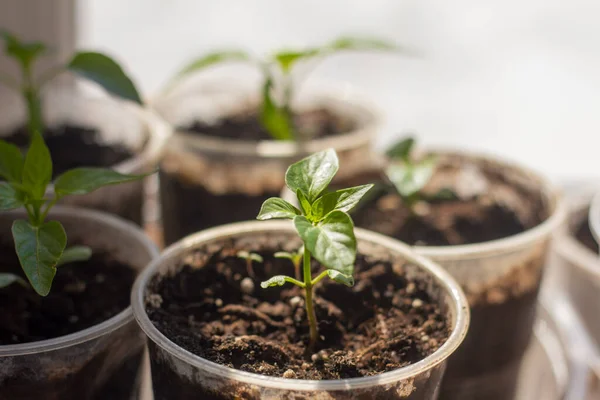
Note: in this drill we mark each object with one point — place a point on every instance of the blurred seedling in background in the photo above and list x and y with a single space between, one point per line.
93 66
250 257
295 258
278 87
41 245
323 224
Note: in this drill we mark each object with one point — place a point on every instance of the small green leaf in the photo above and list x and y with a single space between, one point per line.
39 249
344 279
10 198
409 179
304 203
343 200
37 169
313 174
401 150
75 254
7 279
361 43
85 180
276 208
287 59
280 280
104 71
276 120
210 59
11 162
331 242
24 52
283 254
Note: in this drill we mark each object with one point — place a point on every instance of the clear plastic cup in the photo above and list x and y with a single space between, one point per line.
207 181
137 129
178 374
101 362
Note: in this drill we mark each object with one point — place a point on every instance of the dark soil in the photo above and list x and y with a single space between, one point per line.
83 294
314 124
386 321
75 146
585 237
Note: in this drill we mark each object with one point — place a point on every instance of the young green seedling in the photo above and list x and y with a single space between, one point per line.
277 87
41 244
95 67
322 223
249 257
295 258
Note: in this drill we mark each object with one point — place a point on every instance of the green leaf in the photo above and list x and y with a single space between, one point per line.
24 52
11 162
343 200
85 180
74 254
313 174
401 150
7 279
39 250
361 43
37 169
210 59
287 59
331 242
304 203
283 254
337 276
276 120
409 179
10 198
104 71
280 280
275 207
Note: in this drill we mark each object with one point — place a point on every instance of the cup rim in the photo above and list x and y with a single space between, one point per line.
105 327
459 306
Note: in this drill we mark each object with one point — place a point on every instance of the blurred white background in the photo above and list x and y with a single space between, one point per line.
515 78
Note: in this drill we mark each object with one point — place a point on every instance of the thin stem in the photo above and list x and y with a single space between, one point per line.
310 311
32 99
249 268
47 210
296 262
294 281
30 213
318 278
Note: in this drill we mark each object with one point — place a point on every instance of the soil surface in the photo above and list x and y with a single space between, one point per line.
386 321
313 124
83 294
75 146
584 235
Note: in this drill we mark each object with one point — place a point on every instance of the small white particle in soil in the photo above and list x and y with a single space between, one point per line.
100 278
247 285
410 288
295 301
154 300
421 209
314 357
305 366
218 302
323 354
289 374
237 276
73 319
425 338
417 303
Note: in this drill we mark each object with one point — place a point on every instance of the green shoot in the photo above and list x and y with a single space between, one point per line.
249 257
7 279
41 244
322 223
295 258
95 67
410 176
276 111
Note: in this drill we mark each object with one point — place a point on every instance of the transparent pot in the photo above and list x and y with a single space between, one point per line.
178 374
97 363
577 266
137 129
207 181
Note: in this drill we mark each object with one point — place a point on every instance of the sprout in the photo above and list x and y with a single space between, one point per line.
249 257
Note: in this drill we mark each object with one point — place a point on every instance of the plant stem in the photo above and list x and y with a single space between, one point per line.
32 100
318 278
310 311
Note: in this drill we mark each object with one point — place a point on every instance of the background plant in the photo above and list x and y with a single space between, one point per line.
322 222
93 66
41 245
277 87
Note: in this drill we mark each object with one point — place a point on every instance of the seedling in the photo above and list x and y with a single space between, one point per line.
277 88
40 244
295 258
249 257
410 176
322 223
95 67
